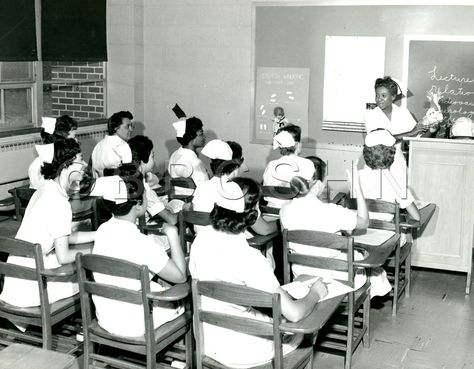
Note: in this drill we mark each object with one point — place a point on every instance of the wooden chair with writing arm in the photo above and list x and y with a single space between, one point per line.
350 323
155 340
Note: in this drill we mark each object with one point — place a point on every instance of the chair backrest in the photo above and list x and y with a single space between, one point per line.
239 295
179 182
15 247
380 206
87 265
22 196
318 239
279 192
186 220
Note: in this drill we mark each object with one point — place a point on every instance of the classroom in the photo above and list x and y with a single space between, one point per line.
237 90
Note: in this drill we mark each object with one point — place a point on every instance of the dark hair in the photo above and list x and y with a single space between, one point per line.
379 156
141 147
388 83
295 131
236 150
193 125
64 125
229 221
116 121
300 185
133 180
65 152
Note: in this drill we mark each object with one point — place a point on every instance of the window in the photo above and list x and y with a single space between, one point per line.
73 88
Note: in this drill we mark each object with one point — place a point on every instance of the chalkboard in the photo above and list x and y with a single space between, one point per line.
444 66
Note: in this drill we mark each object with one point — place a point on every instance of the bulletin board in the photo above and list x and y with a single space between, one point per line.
443 65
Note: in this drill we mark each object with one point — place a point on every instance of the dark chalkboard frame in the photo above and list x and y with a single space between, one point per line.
428 51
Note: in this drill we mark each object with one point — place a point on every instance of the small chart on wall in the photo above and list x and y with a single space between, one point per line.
281 98
442 65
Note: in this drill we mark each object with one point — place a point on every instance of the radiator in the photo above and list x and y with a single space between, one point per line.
17 153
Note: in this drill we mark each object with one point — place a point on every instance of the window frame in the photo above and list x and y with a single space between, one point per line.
37 84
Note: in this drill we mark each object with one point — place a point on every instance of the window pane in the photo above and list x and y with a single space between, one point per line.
17 109
73 88
16 71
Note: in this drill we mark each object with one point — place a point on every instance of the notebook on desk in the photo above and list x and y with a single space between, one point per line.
299 289
420 204
374 237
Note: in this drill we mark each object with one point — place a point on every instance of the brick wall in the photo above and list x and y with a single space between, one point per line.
81 100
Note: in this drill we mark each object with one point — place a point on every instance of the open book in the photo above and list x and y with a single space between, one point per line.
299 289
374 237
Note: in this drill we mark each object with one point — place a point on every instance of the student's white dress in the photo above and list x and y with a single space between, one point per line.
310 213
279 172
402 121
122 239
186 164
110 152
219 256
47 217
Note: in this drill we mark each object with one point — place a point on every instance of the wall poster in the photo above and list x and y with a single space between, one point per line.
281 97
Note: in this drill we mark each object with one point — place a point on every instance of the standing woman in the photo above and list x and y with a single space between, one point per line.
113 149
47 221
397 120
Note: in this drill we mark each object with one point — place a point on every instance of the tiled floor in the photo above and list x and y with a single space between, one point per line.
434 328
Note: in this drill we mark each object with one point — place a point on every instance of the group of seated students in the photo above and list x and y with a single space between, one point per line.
220 252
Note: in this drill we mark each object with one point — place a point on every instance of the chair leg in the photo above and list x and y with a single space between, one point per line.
408 275
366 323
189 347
396 282
350 332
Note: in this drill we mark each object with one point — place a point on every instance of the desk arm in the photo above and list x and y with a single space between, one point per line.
261 240
175 293
64 273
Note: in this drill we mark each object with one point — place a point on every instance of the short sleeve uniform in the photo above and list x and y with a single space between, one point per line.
310 213
279 172
47 217
185 163
110 152
122 239
219 256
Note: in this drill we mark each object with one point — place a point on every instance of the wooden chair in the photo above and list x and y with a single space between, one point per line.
154 341
187 219
46 316
350 324
181 182
83 207
245 296
398 266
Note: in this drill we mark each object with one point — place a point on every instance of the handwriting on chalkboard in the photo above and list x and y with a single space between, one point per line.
454 87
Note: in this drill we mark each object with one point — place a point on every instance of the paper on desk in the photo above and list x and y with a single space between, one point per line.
298 289
175 206
420 204
373 237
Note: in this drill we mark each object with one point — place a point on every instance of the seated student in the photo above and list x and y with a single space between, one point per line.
280 171
225 165
307 211
53 129
383 177
144 158
120 238
184 162
47 221
221 253
113 150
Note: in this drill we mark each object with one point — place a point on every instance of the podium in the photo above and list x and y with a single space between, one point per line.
442 172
